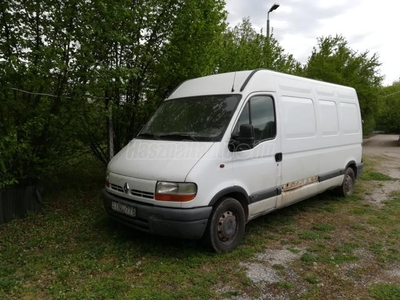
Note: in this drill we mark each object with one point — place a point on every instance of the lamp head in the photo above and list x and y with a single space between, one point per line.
273 7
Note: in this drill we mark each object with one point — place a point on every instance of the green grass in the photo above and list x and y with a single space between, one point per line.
278 267
370 173
311 278
73 251
385 291
285 285
323 227
375 176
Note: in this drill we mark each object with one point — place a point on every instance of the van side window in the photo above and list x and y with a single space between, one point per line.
243 119
259 112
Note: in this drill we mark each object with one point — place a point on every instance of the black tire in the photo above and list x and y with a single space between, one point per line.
347 187
226 226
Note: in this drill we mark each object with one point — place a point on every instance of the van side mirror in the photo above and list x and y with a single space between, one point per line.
245 140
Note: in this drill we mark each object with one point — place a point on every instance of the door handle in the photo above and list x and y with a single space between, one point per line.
278 157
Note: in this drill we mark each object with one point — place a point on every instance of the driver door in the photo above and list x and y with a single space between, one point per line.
258 169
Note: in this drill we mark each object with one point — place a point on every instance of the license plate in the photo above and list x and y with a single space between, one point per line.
124 209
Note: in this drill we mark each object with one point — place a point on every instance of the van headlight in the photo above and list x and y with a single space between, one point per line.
175 191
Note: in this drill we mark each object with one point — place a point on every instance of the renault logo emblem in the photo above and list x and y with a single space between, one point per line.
126 188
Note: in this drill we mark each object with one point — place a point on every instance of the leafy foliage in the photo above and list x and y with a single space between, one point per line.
389 114
36 55
334 61
70 66
245 49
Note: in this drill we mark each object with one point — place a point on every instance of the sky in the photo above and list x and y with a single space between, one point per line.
367 25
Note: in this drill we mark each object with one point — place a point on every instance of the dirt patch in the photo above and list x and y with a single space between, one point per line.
387 151
390 165
257 273
279 257
268 269
383 191
394 273
269 262
386 147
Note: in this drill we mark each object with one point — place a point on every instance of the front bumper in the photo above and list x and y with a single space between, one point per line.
174 222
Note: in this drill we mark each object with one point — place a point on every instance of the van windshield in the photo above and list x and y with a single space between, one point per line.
201 118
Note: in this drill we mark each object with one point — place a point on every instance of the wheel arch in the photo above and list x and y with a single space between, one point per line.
351 164
235 192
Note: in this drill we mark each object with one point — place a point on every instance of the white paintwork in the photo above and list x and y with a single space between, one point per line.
256 170
298 118
211 85
318 131
328 111
309 190
158 160
262 207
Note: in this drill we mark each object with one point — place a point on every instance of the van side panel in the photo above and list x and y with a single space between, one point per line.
328 118
212 174
299 138
321 133
298 134
345 146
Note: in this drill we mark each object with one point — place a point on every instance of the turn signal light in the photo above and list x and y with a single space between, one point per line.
175 191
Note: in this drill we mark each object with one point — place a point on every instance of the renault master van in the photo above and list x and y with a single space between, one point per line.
224 149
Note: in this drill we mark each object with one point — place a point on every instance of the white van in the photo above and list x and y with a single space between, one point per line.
227 148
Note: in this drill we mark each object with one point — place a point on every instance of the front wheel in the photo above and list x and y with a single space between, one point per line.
347 187
226 226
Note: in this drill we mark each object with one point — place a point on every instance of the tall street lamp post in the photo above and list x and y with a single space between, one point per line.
273 7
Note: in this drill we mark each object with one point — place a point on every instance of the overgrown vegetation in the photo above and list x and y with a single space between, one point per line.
389 113
75 75
72 71
72 250
334 61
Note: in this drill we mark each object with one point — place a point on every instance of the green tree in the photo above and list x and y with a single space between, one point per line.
245 49
389 113
68 65
138 59
36 50
194 44
332 60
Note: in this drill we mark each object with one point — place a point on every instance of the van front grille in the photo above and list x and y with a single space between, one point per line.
117 188
142 194
138 193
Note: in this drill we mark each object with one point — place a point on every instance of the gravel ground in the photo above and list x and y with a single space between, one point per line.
385 147
264 271
388 148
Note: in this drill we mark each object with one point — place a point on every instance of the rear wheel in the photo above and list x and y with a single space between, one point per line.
347 187
226 226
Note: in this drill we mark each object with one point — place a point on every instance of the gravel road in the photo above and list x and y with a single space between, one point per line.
386 150
386 146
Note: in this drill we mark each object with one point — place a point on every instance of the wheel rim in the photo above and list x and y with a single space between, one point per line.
348 187
227 226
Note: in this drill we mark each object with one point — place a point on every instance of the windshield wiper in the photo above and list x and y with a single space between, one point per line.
178 136
148 136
